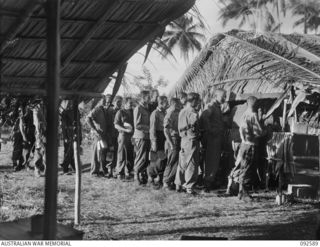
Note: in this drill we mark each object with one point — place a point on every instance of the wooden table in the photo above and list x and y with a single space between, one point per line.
21 230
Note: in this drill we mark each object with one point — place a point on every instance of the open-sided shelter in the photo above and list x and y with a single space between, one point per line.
73 47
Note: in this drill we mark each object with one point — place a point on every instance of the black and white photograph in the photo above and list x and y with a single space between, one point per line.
180 120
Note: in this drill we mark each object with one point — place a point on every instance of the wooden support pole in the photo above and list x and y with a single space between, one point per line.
284 114
53 88
77 162
118 81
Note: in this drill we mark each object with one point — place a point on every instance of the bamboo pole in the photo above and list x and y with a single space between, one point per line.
77 162
53 87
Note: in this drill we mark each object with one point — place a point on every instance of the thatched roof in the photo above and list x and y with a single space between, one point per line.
247 63
97 37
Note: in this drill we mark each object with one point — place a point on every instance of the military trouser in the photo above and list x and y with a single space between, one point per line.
141 161
156 167
68 158
172 161
124 155
211 159
99 159
187 171
26 152
39 159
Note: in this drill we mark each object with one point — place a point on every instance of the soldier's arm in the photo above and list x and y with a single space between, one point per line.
153 131
167 124
118 124
22 129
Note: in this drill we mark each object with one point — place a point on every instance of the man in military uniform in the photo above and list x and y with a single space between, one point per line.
157 137
68 134
117 106
123 122
172 145
245 171
212 126
27 130
141 118
188 125
101 121
39 121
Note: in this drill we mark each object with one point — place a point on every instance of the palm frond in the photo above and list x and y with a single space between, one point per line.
244 62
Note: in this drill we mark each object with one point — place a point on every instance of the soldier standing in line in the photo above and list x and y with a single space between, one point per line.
157 137
117 106
40 124
141 118
212 126
172 145
123 122
188 125
100 120
67 126
183 99
27 130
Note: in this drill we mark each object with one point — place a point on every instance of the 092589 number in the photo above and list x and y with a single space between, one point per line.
308 243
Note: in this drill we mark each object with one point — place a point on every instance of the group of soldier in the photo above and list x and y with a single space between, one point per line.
172 144
158 142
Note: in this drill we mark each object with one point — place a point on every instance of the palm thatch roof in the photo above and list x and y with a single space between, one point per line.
245 63
97 38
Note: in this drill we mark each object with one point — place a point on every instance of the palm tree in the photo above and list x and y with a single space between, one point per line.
309 10
258 14
185 34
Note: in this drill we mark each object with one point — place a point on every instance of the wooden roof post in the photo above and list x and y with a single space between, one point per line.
53 88
77 162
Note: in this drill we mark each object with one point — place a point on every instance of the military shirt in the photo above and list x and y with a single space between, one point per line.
250 128
156 122
188 123
211 120
141 118
124 116
171 122
103 121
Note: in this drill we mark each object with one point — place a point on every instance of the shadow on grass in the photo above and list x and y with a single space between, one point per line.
304 227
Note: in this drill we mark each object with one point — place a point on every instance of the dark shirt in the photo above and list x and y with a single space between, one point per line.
67 124
211 120
141 118
103 121
124 116
153 106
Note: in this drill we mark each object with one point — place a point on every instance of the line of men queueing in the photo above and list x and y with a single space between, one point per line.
161 145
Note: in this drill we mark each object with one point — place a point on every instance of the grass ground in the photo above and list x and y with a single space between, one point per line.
120 210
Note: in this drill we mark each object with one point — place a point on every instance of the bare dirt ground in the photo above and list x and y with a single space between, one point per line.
111 209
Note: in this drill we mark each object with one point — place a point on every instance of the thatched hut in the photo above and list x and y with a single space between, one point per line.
246 63
283 68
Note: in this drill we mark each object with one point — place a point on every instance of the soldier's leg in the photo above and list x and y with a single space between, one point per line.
95 163
130 156
121 156
172 163
192 169
212 160
37 159
26 154
141 160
